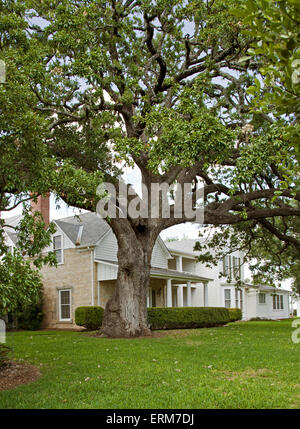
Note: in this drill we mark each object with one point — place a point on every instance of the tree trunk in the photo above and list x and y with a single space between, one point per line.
126 311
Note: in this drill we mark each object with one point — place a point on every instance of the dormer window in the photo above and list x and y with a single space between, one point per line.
58 248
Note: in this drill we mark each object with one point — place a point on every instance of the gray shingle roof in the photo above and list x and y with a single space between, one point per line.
184 246
177 274
266 288
93 228
12 221
167 272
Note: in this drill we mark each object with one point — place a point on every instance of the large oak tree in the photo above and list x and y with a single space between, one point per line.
159 85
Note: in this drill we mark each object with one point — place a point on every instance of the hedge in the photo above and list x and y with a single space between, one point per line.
235 314
187 317
90 317
166 317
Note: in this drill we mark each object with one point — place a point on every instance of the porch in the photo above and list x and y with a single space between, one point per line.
168 287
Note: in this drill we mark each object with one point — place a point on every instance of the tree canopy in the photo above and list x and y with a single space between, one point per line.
271 245
274 29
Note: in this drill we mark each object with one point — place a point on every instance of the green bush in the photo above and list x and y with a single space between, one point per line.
90 317
235 314
30 316
4 354
187 317
165 317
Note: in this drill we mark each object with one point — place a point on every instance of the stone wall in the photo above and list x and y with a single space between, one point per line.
73 274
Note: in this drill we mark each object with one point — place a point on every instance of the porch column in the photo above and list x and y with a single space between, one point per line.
169 293
180 296
179 263
205 295
189 294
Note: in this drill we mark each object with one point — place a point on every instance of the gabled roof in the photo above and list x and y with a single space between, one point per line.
265 288
12 221
92 228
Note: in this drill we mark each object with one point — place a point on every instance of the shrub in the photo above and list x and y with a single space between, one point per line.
30 316
4 353
235 314
90 317
187 317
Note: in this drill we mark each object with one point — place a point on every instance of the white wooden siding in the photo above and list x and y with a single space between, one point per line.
67 243
107 250
106 271
159 258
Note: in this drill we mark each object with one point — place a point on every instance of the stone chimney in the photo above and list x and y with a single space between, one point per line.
42 205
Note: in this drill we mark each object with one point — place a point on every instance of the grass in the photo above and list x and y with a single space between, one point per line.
242 365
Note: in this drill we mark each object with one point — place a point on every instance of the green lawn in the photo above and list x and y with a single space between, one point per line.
242 365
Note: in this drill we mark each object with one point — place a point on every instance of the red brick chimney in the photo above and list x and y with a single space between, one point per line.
42 205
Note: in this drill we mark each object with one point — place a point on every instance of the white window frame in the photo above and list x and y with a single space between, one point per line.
227 299
226 268
278 302
236 298
241 299
60 304
262 294
61 249
281 305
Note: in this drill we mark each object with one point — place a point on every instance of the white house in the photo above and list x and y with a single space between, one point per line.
254 301
297 302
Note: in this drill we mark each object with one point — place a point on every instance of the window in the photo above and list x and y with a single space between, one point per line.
239 298
281 302
231 266
261 298
65 304
227 293
226 266
236 298
58 248
277 302
236 265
